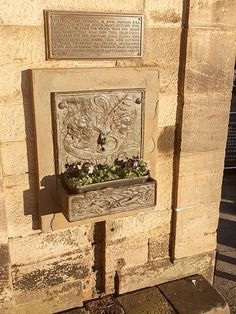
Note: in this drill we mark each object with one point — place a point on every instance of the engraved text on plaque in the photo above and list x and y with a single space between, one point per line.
76 35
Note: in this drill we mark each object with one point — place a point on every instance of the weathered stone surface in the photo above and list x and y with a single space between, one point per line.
145 301
206 115
51 300
16 122
158 272
3 219
48 274
5 279
20 204
15 80
18 157
65 280
158 247
200 178
38 247
161 48
195 230
126 254
202 74
163 14
164 168
31 13
148 224
24 39
194 295
212 14
167 109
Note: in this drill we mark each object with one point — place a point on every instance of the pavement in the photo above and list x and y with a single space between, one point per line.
225 274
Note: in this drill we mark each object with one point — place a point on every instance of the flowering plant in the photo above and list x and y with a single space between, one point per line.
80 174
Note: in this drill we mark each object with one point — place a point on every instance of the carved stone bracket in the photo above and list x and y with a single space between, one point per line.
108 200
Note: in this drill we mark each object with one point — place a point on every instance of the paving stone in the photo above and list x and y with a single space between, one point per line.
194 295
107 305
147 301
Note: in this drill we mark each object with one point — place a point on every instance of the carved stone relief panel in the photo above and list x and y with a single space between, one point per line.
97 125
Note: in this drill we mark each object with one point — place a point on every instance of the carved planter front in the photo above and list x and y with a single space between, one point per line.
114 197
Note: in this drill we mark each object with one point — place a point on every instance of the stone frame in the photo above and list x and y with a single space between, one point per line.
47 81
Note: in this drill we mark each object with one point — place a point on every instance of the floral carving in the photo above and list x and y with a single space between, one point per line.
112 200
99 125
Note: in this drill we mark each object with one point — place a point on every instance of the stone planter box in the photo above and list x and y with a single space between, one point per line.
107 198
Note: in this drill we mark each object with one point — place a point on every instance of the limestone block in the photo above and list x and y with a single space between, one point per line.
16 122
3 220
158 272
27 12
110 282
60 283
212 13
163 13
38 247
15 78
195 230
167 110
205 123
146 225
209 67
169 80
161 49
50 300
18 157
164 170
51 272
20 204
28 43
200 178
158 247
161 46
126 254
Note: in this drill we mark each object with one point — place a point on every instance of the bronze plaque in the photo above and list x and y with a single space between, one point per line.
98 125
79 35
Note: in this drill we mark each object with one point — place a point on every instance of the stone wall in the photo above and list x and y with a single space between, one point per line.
193 45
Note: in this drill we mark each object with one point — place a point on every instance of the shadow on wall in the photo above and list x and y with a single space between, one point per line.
30 195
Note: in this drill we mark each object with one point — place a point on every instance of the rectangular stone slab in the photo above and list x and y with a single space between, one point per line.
45 82
107 201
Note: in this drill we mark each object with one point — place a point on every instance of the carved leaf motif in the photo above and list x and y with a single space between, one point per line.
84 117
113 200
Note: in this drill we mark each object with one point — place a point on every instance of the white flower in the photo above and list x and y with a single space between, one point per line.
79 166
90 169
135 164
